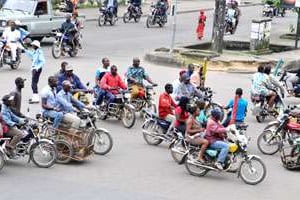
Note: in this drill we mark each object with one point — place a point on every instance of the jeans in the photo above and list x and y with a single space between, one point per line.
224 149
100 95
35 79
57 116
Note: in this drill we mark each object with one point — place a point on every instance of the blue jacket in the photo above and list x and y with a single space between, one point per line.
37 57
75 81
9 118
66 102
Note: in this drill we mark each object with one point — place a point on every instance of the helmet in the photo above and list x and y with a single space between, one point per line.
216 113
233 147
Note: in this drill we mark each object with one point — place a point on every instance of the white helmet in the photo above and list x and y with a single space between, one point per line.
36 43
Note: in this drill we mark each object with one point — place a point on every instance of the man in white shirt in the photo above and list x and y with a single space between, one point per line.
12 37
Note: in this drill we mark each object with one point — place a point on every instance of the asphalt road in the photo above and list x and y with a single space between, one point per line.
133 169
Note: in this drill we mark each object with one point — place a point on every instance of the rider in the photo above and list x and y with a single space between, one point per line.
197 78
50 106
163 6
195 133
17 94
100 72
176 83
69 29
190 69
78 24
62 70
231 15
187 89
135 76
272 82
112 6
166 104
215 134
181 114
66 102
136 4
111 82
258 87
11 121
77 85
202 117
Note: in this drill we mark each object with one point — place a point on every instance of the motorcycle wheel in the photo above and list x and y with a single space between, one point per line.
194 169
151 107
152 140
103 142
126 17
253 171
65 151
73 53
294 155
15 65
2 161
137 19
161 24
101 20
128 117
102 113
177 152
56 51
149 21
268 143
43 154
113 20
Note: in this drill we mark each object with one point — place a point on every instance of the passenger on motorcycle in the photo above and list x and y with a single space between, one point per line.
79 25
231 15
187 89
215 134
50 105
166 104
77 85
111 83
100 72
69 105
111 6
259 87
202 117
11 121
272 82
190 69
176 83
181 114
162 6
136 4
135 76
195 133
291 80
239 109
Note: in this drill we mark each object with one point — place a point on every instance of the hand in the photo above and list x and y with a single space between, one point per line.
154 84
23 121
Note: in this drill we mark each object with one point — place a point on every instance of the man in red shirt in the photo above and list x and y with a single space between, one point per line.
111 82
166 104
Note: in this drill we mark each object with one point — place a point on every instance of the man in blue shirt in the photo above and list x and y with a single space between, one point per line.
38 62
241 108
77 85
100 72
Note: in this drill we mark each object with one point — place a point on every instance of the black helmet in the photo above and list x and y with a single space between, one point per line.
216 113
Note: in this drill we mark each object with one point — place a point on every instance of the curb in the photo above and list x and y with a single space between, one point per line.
185 11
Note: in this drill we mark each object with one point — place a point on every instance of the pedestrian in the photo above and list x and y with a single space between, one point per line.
17 94
201 25
38 62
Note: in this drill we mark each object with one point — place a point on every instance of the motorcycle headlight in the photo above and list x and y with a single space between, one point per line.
58 34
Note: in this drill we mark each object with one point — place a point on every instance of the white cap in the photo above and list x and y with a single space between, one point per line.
36 43
69 67
66 82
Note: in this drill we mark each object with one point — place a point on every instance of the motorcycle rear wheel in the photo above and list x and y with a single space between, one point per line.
194 169
178 157
45 148
128 117
56 51
152 140
65 151
247 173
126 17
267 138
149 21
102 139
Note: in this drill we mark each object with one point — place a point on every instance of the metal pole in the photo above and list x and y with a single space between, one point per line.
174 14
298 29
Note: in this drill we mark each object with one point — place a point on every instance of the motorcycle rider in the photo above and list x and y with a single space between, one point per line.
291 80
77 85
11 121
215 134
62 70
271 81
162 6
100 72
238 12
69 29
111 83
79 25
135 76
50 105
176 83
190 69
66 102
136 4
259 87
111 6
187 89
231 15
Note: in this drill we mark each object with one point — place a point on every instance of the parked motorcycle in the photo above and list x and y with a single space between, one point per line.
283 76
62 44
120 109
5 57
42 152
250 168
156 17
106 16
132 12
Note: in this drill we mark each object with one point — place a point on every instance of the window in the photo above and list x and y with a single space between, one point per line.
41 8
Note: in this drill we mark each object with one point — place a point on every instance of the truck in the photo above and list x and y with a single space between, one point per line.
36 16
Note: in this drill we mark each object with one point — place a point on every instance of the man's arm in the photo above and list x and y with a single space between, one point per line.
77 104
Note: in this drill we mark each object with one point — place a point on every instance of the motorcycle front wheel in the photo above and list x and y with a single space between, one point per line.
65 151
101 20
43 154
268 143
149 132
56 50
253 171
73 52
103 142
149 21
126 17
128 117
2 161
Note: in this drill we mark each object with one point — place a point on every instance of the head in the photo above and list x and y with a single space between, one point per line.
63 66
191 67
20 82
114 70
105 63
261 69
68 18
52 81
201 104
185 78
169 88
8 100
201 12
183 101
239 92
66 86
194 111
136 62
35 44
181 75
268 69
69 70
216 114
13 26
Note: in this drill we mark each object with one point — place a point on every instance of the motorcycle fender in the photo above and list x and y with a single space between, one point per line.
102 130
250 157
272 123
129 106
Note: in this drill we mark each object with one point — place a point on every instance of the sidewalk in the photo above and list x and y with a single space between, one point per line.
184 6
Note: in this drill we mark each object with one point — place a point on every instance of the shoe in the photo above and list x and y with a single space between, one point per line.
35 99
219 166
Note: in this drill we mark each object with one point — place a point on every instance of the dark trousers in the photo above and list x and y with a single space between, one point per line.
35 80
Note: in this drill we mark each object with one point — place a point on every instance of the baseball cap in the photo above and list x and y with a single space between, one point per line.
69 68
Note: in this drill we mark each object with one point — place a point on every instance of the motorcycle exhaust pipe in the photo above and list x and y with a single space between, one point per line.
156 136
201 165
179 152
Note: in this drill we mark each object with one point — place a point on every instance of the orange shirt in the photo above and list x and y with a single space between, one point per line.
165 105
108 80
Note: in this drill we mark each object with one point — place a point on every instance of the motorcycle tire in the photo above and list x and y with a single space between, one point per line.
190 168
101 20
294 155
250 165
73 53
44 146
149 21
151 140
56 51
126 17
113 20
98 140
175 148
65 151
128 111
2 161
137 19
263 138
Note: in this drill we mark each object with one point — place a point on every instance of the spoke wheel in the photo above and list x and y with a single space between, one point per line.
65 151
268 143
43 154
103 142
253 171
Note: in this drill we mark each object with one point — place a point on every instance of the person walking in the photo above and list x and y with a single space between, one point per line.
201 25
38 62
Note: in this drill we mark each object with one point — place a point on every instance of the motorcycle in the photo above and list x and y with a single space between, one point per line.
120 109
278 133
156 16
290 156
132 12
283 76
230 25
106 16
5 57
62 44
250 168
42 152
260 107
